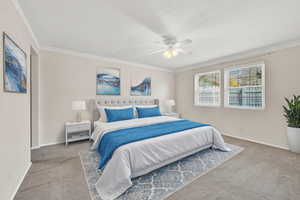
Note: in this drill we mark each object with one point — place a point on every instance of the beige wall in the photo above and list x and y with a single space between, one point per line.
14 110
65 78
267 126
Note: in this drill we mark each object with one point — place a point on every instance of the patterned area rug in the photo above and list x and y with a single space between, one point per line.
163 182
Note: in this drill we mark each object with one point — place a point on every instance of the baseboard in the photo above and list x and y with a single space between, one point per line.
36 147
255 141
52 143
21 181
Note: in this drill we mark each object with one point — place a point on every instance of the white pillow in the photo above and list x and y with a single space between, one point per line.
146 106
102 112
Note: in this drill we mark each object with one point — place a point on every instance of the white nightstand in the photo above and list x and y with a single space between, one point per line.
76 131
176 115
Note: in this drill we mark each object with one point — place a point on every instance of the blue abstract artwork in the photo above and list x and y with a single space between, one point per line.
108 81
15 72
142 87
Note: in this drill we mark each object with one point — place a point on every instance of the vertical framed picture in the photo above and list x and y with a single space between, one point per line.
14 69
140 86
108 81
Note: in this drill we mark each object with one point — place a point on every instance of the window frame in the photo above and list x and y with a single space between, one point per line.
197 89
226 86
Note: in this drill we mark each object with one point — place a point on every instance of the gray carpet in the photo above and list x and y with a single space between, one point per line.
162 182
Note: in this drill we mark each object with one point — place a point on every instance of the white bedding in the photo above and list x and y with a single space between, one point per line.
139 158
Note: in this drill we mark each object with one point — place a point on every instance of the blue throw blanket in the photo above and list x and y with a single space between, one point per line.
114 139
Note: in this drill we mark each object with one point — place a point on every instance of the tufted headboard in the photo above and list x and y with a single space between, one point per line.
122 101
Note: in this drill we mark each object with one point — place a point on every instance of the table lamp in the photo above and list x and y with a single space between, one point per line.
78 106
170 103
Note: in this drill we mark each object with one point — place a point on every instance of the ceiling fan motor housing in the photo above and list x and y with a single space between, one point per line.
169 40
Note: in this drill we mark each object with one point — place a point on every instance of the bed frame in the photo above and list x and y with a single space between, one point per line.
122 101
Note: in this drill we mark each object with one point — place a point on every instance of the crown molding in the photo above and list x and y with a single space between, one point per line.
91 56
243 55
22 15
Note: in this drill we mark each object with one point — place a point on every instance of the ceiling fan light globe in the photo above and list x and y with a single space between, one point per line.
174 53
167 54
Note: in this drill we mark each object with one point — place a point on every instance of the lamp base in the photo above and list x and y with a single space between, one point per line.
78 117
170 109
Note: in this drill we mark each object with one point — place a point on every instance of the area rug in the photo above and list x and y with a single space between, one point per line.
163 182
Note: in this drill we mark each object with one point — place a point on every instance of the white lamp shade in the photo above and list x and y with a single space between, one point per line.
78 105
170 102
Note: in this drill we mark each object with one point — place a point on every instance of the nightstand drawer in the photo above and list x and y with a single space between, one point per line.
78 128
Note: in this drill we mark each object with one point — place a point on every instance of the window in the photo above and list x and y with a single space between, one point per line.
245 86
207 88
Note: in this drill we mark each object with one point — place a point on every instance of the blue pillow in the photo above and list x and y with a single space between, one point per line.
148 112
114 115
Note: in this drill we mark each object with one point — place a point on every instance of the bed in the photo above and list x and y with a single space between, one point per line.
141 157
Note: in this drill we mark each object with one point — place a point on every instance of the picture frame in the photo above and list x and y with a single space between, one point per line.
14 66
140 86
108 81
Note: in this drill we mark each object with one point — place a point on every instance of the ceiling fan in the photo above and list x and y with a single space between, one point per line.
172 47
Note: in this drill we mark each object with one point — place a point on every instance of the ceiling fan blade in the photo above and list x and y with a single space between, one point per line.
139 47
181 51
156 52
185 42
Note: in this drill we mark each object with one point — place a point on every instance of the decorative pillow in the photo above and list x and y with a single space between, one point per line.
148 112
141 106
102 112
114 115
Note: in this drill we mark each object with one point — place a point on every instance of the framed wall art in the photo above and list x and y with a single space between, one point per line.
14 69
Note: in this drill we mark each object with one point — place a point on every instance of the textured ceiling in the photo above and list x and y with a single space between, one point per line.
129 29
